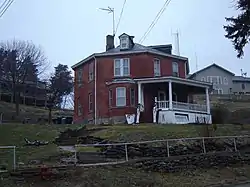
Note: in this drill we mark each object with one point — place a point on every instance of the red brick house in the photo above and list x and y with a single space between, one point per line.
111 84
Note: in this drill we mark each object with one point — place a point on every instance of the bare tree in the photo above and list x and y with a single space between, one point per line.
23 62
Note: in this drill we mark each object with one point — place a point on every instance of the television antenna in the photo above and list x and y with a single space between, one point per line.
243 74
110 10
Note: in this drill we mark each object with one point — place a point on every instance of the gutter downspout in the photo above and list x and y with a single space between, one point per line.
95 89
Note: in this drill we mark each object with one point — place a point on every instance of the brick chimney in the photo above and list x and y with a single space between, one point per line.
110 40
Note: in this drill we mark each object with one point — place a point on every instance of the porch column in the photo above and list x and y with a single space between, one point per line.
139 93
142 95
170 96
207 101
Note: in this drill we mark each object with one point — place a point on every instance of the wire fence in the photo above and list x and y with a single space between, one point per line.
116 153
123 152
7 158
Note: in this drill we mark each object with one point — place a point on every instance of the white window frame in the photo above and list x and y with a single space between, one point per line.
175 69
157 67
225 81
203 79
91 71
220 91
121 96
80 77
211 78
124 42
90 101
120 65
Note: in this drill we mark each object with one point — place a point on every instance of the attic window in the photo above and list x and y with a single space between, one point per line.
124 42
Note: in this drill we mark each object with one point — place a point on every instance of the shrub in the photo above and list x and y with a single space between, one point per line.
220 114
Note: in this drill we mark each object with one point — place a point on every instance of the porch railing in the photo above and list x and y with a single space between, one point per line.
163 104
182 106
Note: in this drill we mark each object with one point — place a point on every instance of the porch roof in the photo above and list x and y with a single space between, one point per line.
174 80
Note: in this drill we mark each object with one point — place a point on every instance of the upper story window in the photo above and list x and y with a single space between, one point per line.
225 81
79 77
216 80
120 96
91 71
124 42
121 67
157 67
203 79
175 69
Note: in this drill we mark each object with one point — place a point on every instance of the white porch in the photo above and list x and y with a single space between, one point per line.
170 109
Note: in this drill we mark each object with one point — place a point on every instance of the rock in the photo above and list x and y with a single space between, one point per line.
35 162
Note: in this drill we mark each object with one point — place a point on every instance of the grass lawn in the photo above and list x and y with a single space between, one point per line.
14 134
8 111
124 176
125 133
121 175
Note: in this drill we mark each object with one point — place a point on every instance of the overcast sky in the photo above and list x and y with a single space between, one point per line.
70 30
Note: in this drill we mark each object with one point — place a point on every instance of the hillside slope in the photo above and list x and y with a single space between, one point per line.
31 112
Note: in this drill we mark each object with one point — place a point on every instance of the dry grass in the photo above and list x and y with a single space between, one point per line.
14 134
124 176
126 133
112 176
8 111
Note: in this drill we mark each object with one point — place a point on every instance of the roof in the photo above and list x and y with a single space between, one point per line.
137 48
175 79
215 65
241 79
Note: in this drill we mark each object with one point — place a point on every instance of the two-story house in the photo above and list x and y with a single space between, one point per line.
224 81
111 84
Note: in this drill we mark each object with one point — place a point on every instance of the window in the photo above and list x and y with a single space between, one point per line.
91 71
90 102
243 86
124 42
220 91
79 77
203 79
132 97
79 107
120 96
110 97
175 69
121 67
225 81
213 79
157 67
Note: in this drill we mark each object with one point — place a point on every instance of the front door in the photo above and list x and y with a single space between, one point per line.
162 97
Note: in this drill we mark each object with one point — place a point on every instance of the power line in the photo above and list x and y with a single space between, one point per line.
3 4
120 16
159 14
5 7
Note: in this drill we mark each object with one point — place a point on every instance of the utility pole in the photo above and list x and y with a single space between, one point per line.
196 61
111 10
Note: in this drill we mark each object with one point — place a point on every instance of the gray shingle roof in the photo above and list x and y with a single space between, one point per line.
216 65
241 79
137 48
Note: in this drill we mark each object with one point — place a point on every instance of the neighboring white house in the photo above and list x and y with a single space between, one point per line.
224 81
